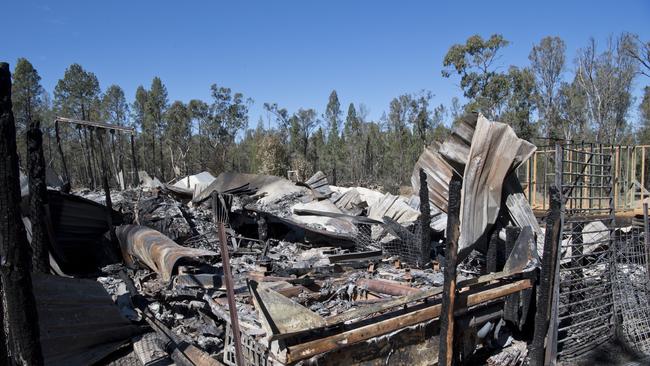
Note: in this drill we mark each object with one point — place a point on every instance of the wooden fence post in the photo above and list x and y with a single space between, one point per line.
446 352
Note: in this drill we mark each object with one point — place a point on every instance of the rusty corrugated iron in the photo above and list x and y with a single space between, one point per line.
154 249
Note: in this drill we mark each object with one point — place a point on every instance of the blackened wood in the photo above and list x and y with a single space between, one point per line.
37 198
4 347
425 217
492 250
20 319
547 277
511 305
446 352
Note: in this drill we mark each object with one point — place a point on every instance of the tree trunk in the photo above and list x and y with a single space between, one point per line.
162 163
37 198
66 175
134 158
20 319
152 162
89 168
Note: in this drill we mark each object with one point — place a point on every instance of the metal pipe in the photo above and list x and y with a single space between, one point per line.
227 274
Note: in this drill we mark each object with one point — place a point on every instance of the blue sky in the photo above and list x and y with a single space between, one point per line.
294 52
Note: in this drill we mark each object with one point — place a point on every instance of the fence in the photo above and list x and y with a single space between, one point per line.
585 315
603 274
630 168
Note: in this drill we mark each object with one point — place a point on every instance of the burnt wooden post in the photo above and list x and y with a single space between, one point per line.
425 217
66 175
511 304
547 277
134 158
20 319
491 257
446 352
37 198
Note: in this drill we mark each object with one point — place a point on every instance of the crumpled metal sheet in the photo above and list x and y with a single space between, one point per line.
438 173
495 152
79 225
78 320
154 249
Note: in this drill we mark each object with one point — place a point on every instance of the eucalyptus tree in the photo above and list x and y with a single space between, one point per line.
606 80
547 63
155 108
475 62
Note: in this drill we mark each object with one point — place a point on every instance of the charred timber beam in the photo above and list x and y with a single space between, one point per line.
20 317
103 125
308 349
419 296
446 350
386 287
511 305
425 217
547 277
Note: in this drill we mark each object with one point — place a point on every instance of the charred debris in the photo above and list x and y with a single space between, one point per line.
248 269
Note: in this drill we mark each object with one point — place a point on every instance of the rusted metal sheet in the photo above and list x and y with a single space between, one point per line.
154 249
79 323
438 173
495 152
319 185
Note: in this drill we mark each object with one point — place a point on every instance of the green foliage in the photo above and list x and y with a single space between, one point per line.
547 64
474 62
115 109
606 80
77 94
536 100
521 102
26 92
332 116
27 98
644 112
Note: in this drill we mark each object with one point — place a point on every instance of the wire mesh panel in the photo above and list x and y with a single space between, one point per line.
405 243
631 292
585 304
255 354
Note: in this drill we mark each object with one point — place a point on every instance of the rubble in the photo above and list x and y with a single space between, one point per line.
320 273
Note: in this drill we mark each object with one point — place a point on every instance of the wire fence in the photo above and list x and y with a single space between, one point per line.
585 301
631 288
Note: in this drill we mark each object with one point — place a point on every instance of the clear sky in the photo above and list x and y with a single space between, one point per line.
294 52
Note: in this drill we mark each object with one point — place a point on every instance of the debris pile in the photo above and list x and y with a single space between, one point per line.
318 272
